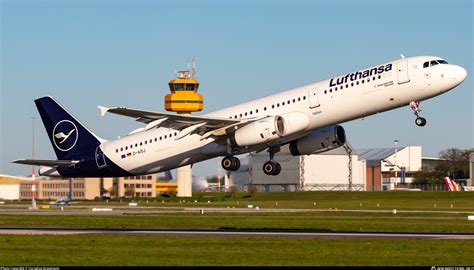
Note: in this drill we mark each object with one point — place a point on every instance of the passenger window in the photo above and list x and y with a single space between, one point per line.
299 99
304 97
264 108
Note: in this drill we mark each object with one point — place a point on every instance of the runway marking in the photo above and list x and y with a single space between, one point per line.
233 233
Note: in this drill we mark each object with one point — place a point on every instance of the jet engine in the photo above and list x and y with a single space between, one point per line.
270 128
318 141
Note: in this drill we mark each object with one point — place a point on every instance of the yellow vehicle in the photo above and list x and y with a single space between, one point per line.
166 187
184 97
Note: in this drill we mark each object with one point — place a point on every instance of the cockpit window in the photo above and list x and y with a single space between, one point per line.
433 63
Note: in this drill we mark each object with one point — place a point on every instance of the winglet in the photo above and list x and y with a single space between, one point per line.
103 110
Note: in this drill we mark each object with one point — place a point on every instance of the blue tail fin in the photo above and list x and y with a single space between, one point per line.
68 136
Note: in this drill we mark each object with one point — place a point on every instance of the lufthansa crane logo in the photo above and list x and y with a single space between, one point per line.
65 135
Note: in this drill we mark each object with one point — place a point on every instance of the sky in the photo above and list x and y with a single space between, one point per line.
123 53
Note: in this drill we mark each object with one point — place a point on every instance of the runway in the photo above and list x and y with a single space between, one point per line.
235 233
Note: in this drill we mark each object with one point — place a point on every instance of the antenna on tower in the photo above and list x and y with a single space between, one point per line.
193 74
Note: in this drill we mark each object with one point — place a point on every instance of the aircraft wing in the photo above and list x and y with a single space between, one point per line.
49 163
205 126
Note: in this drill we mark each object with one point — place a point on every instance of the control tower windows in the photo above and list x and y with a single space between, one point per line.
179 86
190 86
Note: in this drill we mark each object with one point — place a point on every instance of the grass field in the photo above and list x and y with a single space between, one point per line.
167 250
186 251
313 221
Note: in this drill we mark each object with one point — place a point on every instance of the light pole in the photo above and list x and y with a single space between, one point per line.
33 173
396 166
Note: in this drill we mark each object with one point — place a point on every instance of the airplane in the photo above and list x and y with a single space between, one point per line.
307 118
63 201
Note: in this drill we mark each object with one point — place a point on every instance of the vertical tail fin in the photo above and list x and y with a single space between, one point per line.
67 135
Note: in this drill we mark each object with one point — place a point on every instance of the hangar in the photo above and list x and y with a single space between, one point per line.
343 169
338 169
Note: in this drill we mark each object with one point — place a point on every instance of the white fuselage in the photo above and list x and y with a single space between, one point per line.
391 85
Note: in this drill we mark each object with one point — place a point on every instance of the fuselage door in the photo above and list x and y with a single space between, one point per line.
100 158
313 98
402 72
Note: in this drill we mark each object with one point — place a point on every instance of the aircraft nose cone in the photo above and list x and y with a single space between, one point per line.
459 74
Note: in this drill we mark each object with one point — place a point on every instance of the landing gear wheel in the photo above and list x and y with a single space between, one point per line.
230 163
420 121
271 168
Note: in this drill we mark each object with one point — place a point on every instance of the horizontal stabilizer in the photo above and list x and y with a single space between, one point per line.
50 163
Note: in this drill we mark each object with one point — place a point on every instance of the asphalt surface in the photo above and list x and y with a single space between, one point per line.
234 233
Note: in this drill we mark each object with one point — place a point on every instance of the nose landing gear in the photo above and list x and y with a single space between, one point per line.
415 106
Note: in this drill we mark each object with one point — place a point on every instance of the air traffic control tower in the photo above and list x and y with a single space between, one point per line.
184 99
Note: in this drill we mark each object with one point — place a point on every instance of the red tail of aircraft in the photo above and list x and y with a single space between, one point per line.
452 186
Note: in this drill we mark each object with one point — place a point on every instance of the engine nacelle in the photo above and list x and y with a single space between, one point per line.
270 128
260 131
318 141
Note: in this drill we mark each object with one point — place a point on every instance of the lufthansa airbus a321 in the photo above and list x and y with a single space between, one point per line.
307 118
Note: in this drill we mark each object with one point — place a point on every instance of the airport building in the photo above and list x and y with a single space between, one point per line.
136 186
344 168
389 168
338 169
10 186
52 189
89 188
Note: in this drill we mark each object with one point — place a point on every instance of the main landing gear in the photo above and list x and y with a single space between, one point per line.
230 163
272 167
415 106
